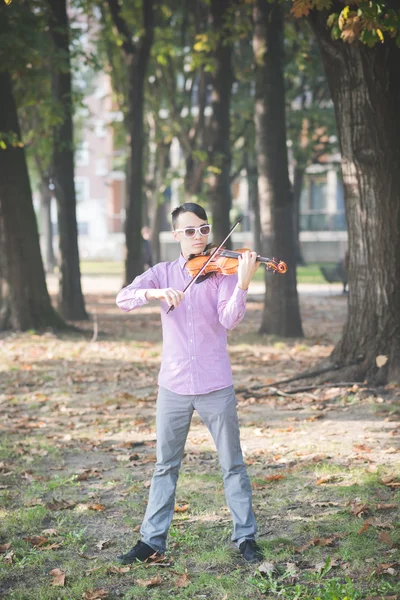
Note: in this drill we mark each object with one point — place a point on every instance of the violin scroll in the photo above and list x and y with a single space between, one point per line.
276 266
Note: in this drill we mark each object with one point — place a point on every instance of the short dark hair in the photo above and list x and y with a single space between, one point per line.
188 207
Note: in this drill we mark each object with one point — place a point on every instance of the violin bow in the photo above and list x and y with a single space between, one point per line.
206 263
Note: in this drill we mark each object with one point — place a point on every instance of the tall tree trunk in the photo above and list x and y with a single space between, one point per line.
157 208
71 303
193 181
281 315
365 88
137 60
297 187
26 302
254 204
219 129
47 226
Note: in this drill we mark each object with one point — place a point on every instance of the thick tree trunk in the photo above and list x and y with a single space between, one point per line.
157 208
281 315
137 61
219 129
254 204
193 181
365 87
297 187
47 226
70 301
25 299
5 305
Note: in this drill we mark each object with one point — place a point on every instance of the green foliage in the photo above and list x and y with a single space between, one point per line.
370 21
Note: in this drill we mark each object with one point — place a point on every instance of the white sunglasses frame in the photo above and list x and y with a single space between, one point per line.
196 229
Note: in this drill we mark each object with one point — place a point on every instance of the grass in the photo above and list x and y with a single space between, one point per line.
343 568
305 274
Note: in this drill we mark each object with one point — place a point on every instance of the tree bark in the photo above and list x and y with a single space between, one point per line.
136 59
219 128
281 314
254 203
365 87
45 203
297 187
70 301
25 302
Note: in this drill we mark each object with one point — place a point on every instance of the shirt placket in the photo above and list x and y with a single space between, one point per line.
190 318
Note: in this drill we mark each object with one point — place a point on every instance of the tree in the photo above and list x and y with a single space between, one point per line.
281 315
135 57
24 300
364 79
71 302
311 124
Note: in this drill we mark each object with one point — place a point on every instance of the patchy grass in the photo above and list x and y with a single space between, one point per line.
77 452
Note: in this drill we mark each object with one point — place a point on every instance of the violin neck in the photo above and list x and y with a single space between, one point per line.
233 254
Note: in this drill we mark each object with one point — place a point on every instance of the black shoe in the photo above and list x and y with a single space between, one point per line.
140 552
250 551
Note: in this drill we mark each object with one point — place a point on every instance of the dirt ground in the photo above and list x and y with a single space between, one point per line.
90 397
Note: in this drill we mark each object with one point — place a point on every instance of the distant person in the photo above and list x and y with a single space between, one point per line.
146 247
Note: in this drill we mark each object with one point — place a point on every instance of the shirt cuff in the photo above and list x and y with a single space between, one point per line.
141 297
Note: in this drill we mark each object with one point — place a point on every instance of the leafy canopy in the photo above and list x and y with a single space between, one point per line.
370 21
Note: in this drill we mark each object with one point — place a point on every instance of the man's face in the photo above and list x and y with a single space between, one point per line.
190 245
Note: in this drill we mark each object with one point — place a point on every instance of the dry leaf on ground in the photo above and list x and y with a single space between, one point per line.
95 594
149 582
58 577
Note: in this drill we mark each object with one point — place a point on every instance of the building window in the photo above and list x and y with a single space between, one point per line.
81 189
100 128
82 154
101 167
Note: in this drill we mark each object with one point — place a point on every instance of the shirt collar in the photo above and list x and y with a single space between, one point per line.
182 261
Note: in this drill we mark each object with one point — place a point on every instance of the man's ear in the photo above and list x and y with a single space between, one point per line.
175 235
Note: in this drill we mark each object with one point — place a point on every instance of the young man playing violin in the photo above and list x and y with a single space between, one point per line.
196 375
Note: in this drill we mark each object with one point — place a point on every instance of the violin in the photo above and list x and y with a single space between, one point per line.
226 262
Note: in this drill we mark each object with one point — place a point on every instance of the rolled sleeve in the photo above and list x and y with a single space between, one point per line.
231 302
134 295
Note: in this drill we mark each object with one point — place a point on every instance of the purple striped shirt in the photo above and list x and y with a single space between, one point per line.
195 357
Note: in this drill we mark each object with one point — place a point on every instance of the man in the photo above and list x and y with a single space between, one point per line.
196 375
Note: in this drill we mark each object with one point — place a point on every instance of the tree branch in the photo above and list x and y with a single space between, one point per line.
121 25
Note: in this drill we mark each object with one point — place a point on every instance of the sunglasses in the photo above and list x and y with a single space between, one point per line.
190 232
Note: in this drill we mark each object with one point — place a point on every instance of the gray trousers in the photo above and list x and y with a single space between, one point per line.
174 414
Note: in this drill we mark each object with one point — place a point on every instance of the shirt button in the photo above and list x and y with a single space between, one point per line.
191 340
192 357
189 323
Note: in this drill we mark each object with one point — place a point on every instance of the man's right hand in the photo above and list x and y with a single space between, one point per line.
172 297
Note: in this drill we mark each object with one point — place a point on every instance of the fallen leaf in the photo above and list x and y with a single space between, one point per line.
114 569
381 360
181 507
183 580
385 538
4 547
95 594
49 532
36 540
267 568
9 557
385 506
326 479
275 477
58 577
149 582
103 544
60 504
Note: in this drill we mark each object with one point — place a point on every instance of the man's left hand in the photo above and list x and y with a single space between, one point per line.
248 265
